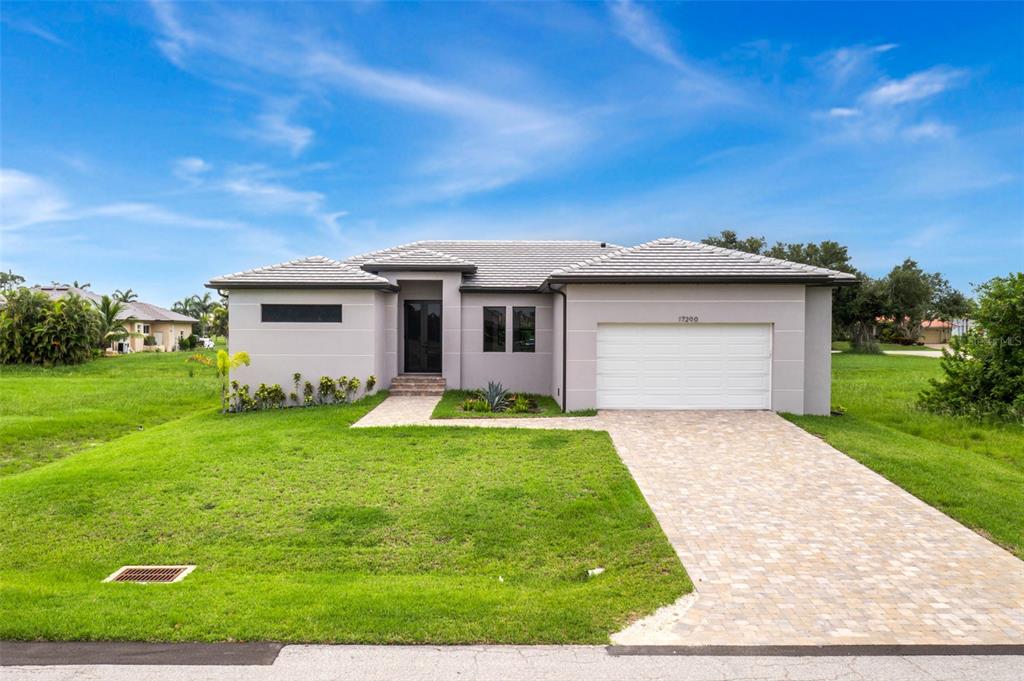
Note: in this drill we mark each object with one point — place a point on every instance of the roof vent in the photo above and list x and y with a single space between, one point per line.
604 245
146 574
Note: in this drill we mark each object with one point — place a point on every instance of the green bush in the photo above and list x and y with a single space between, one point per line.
984 369
37 330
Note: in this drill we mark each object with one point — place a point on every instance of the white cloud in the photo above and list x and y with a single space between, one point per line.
32 28
190 168
27 200
929 130
844 112
645 33
915 87
845 64
154 214
274 128
281 55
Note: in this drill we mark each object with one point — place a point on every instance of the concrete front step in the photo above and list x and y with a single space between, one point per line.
406 392
418 385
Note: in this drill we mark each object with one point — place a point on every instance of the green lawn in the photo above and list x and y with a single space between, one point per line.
448 408
306 530
845 346
971 471
46 414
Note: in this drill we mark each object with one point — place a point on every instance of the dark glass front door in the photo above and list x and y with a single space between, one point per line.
423 336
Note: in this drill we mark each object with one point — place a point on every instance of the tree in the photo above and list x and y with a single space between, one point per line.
947 303
983 370
908 295
110 328
10 281
224 364
728 239
126 296
82 286
37 330
219 321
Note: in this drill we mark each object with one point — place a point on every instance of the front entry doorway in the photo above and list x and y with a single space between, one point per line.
422 336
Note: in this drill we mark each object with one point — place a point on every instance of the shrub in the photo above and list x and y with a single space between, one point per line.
521 404
296 380
307 393
149 341
353 385
37 330
984 369
188 342
269 397
475 404
371 383
342 389
496 396
325 391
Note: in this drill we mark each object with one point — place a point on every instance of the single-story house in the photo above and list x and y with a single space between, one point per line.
140 320
935 332
668 324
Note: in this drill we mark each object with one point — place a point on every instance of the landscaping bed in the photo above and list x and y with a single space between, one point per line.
451 407
303 529
972 471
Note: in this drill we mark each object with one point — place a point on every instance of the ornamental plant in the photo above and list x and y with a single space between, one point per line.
224 364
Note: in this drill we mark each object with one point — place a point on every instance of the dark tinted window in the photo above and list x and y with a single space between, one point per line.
494 329
302 313
524 326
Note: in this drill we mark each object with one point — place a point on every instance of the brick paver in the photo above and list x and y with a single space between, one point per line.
789 541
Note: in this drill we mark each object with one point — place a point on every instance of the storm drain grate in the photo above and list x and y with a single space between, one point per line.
151 573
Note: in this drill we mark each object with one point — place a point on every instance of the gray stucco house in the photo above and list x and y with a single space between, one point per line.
668 324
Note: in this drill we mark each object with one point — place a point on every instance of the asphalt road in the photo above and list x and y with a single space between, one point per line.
541 663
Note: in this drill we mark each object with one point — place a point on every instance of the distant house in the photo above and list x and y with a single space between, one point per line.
141 321
936 332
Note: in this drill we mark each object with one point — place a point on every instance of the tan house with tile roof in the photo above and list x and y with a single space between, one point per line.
669 324
140 320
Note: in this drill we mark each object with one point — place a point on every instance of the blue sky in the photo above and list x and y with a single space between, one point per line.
153 146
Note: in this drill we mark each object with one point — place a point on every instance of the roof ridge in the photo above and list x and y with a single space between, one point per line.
758 257
430 251
620 251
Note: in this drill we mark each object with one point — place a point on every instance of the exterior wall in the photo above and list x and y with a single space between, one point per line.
385 362
278 350
781 305
519 371
166 332
818 351
414 286
935 335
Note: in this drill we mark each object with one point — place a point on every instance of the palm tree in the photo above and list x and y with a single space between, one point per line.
125 296
83 285
112 328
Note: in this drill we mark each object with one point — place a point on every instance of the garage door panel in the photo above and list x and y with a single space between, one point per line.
693 366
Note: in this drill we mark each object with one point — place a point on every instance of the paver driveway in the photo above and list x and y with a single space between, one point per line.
789 541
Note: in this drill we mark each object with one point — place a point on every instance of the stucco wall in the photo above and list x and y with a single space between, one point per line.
519 371
278 350
818 351
781 305
167 332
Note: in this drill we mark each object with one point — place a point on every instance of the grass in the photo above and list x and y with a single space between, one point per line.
48 413
306 530
448 408
973 472
845 346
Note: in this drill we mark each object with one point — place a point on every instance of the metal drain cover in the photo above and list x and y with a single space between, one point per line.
146 574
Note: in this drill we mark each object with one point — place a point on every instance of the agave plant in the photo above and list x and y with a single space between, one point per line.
496 396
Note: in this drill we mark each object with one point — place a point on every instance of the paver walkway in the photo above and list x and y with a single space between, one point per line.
787 540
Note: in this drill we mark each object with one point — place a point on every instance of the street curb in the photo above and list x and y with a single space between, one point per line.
864 650
34 653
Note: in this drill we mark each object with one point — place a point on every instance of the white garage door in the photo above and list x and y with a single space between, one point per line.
684 366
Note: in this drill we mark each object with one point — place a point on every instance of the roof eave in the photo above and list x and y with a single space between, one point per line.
369 285
397 267
470 288
697 279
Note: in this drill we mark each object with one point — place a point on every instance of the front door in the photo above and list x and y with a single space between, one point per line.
423 336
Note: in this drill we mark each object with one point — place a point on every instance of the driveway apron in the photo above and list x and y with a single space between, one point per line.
788 541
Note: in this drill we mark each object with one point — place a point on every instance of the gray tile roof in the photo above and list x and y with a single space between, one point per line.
521 265
418 259
143 312
314 272
680 260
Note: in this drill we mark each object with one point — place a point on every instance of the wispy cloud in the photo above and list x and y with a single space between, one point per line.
32 28
843 65
275 128
638 26
27 199
190 168
510 139
915 87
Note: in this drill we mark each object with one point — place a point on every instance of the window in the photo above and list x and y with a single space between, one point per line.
301 313
494 329
524 329
142 328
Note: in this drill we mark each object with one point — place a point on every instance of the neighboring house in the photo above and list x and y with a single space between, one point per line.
935 332
165 326
669 324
